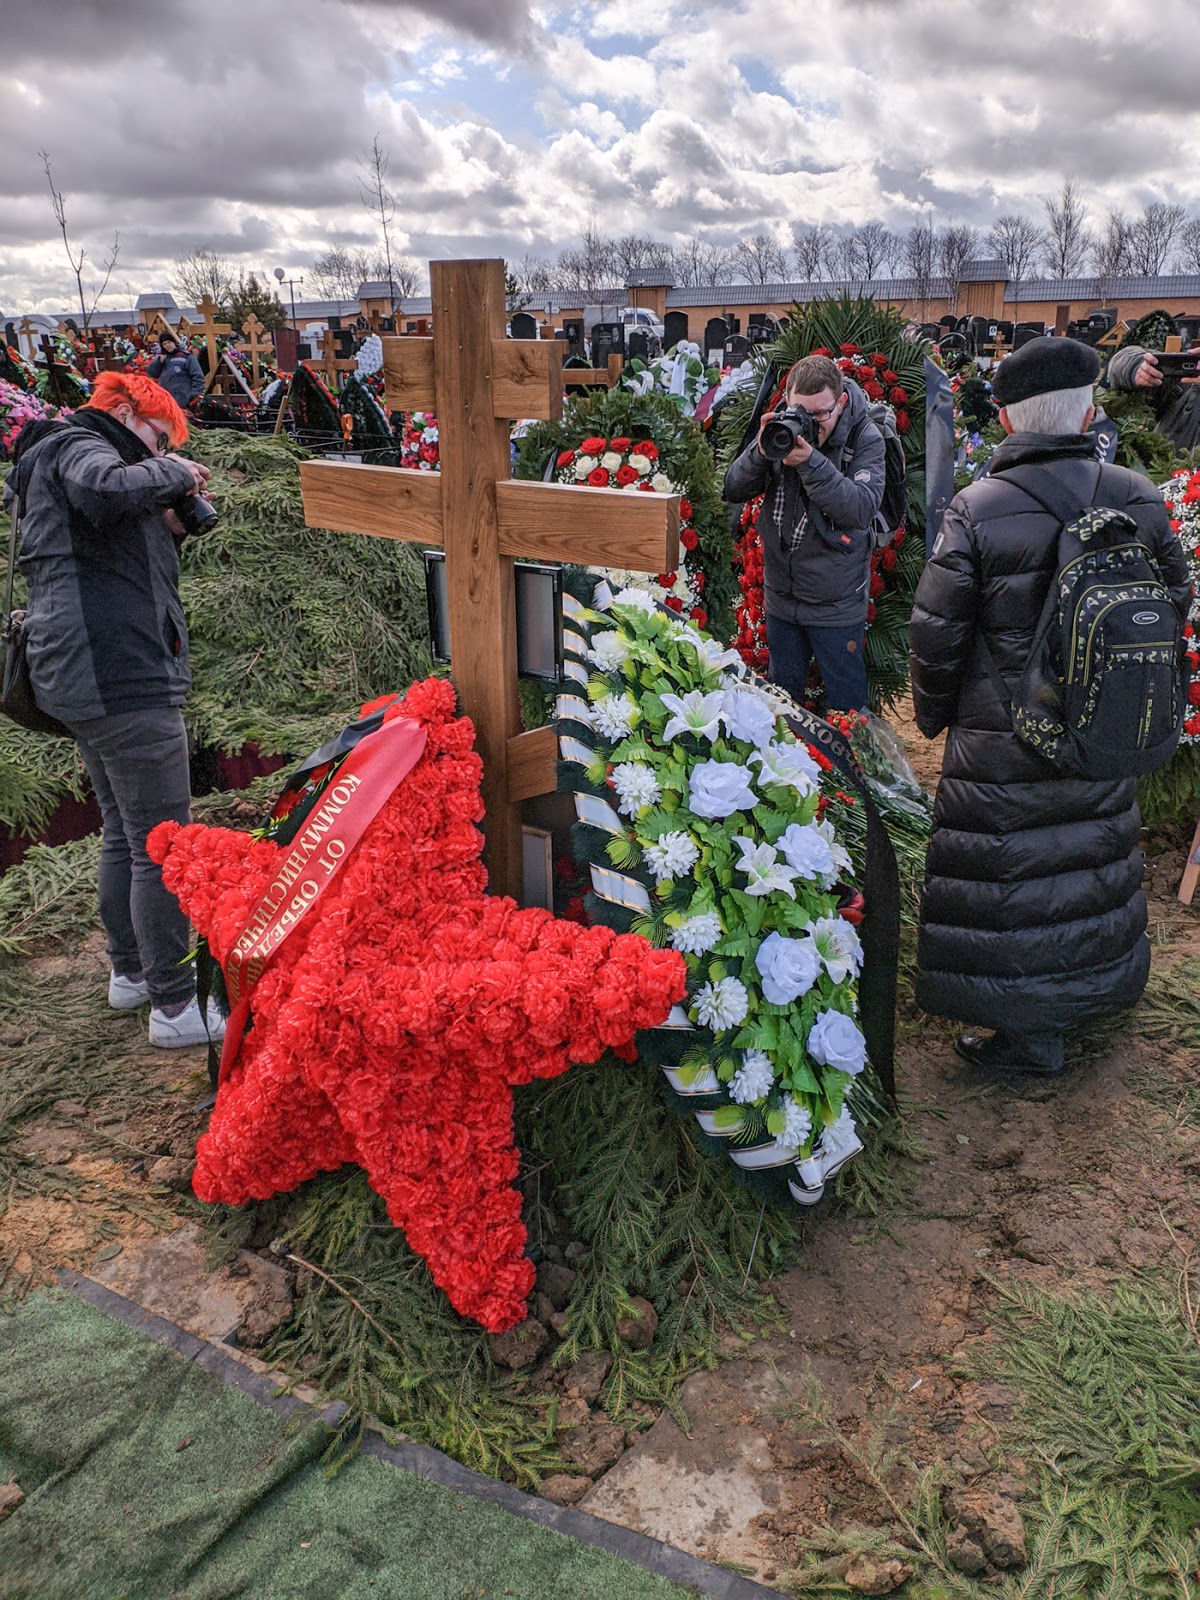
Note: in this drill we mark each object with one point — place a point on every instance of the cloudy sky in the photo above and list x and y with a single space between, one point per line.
240 125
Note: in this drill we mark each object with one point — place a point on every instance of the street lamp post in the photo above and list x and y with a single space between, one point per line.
282 277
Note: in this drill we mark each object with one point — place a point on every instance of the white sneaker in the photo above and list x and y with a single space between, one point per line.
188 1028
126 994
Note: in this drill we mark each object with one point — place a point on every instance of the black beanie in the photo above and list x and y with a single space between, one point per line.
1042 366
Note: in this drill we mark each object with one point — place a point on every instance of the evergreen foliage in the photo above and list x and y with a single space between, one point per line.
373 436
313 411
1140 445
683 456
1151 332
254 298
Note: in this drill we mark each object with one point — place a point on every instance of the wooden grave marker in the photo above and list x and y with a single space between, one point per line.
330 365
210 328
259 347
476 381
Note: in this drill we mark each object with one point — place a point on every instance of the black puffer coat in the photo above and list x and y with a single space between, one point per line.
1033 916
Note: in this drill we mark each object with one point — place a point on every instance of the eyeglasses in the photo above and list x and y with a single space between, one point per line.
162 441
824 414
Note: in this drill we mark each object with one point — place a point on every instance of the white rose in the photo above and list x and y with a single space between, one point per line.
789 968
661 484
611 460
584 465
806 851
746 716
836 1042
718 788
642 465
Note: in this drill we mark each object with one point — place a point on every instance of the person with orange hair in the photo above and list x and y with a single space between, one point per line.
108 656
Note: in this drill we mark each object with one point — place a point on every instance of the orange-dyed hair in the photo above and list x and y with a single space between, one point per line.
147 398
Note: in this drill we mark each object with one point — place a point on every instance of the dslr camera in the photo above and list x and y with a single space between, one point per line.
196 514
785 429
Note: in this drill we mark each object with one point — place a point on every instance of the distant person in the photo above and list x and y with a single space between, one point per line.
1033 919
177 371
1176 400
108 656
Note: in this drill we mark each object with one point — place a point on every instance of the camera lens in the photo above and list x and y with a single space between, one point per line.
778 438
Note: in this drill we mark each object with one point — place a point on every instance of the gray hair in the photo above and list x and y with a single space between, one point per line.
1058 411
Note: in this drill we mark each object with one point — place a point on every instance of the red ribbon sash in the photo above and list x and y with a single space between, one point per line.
365 779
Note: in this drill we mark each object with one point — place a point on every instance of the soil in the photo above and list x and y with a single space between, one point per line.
1069 1185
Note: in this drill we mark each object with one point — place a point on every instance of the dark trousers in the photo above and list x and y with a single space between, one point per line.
138 764
839 653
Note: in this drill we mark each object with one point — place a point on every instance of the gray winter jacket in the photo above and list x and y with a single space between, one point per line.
822 579
105 624
1176 408
180 375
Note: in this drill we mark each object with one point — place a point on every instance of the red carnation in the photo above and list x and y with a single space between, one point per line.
565 458
888 560
598 477
645 448
593 447
626 474
689 538
1194 694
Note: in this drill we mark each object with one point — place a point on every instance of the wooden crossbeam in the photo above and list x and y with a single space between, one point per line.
475 381
258 347
210 328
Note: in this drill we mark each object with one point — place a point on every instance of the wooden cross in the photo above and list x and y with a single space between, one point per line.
475 381
330 363
28 332
258 348
210 328
375 320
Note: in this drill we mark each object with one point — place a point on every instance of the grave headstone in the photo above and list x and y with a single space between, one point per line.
716 331
524 326
675 325
1004 331
608 339
638 345
737 348
1025 332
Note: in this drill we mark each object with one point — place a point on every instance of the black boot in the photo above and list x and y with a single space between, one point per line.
1037 1055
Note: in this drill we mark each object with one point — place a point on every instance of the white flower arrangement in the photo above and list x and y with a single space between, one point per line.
732 832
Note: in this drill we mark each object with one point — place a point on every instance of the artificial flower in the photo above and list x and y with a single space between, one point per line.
788 765
614 716
748 717
609 651
635 597
696 713
807 851
698 934
835 1041
797 1125
671 855
788 967
719 788
765 873
753 1079
636 786
838 946
722 1004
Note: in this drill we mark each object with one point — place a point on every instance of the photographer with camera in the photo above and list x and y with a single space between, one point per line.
103 504
1171 383
820 463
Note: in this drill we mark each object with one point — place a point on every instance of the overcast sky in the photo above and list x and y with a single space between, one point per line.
240 124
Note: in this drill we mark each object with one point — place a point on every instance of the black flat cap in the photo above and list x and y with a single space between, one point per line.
1043 365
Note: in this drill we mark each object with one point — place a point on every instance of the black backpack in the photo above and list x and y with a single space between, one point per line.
1104 690
894 506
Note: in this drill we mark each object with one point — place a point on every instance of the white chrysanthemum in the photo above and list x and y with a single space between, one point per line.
788 765
584 465
839 1132
610 460
671 855
764 871
753 1078
609 650
630 596
661 484
723 1004
636 786
797 1125
698 934
838 946
614 717
696 713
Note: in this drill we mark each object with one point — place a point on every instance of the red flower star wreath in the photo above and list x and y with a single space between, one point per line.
391 1028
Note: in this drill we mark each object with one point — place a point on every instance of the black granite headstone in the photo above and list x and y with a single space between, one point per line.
608 339
638 345
675 325
524 326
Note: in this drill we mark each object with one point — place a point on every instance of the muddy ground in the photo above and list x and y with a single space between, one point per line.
1069 1185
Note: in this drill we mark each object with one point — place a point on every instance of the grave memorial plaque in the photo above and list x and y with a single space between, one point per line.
675 326
716 331
524 326
573 334
737 349
608 339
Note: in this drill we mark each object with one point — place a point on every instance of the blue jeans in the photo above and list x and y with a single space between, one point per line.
839 653
138 764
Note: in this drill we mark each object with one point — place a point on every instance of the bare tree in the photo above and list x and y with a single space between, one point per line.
873 242
1017 243
813 248
534 275
203 272
696 263
845 257
758 259
1110 250
338 271
1152 235
381 203
1067 240
893 251
957 247
634 252
920 258
59 204
1187 255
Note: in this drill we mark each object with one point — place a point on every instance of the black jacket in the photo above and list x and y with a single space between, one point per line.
180 375
1033 916
106 628
820 583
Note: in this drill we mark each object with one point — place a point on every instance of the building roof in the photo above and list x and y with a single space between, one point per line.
648 278
773 294
159 301
1183 287
325 308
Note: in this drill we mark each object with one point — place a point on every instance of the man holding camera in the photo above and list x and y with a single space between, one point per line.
1169 382
108 656
819 462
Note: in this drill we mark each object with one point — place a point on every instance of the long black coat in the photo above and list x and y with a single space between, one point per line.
1033 915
